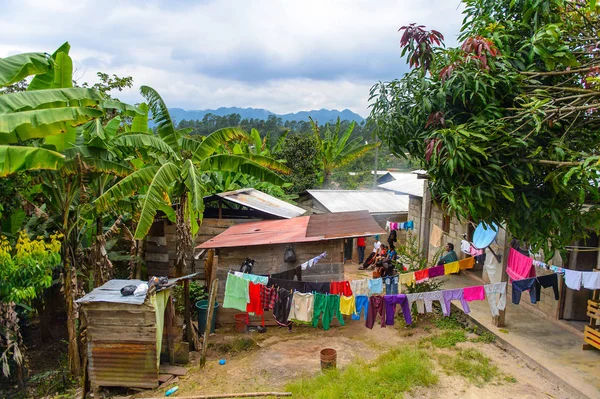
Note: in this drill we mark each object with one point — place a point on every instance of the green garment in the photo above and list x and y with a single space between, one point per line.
449 257
329 305
159 301
237 294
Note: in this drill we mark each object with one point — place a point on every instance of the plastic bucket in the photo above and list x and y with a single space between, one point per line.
328 359
202 307
240 322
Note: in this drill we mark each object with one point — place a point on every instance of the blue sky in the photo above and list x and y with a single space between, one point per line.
285 56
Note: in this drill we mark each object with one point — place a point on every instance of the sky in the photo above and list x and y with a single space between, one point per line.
285 56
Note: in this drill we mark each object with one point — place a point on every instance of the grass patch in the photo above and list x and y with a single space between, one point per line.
447 323
486 337
392 374
237 345
446 339
470 364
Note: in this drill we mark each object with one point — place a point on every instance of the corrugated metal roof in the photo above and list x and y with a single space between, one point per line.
256 199
294 230
374 201
405 183
111 292
343 225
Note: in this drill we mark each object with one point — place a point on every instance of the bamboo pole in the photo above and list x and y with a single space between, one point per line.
235 395
211 312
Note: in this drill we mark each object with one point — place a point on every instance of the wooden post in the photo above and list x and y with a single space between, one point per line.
188 313
499 321
170 316
425 221
211 312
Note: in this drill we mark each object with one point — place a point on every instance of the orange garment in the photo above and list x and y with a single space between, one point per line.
466 263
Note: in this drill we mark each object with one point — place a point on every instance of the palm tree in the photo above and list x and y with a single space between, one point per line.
338 150
175 173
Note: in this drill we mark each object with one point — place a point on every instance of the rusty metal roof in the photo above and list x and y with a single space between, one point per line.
374 201
347 224
263 202
343 225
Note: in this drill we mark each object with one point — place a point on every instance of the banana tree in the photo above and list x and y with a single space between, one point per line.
176 173
337 149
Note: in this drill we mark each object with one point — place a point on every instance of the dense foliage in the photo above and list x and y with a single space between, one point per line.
506 125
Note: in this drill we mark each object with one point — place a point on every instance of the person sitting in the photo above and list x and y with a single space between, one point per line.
450 255
371 258
387 266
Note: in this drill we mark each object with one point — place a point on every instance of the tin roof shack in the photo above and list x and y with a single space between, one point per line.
383 205
124 334
222 211
267 241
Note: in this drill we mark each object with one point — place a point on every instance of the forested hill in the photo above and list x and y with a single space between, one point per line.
322 115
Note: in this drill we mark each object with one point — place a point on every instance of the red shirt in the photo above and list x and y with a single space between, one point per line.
360 242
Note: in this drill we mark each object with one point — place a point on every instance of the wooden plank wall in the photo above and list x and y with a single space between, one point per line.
160 245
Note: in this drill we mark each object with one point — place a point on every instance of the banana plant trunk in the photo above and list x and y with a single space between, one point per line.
183 244
70 286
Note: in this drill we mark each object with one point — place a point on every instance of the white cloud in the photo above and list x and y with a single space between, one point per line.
282 55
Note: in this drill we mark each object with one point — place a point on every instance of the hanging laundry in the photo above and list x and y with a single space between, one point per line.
340 287
268 297
390 308
573 279
313 261
484 235
465 247
362 304
289 285
302 308
329 306
376 307
429 297
237 294
375 286
388 225
475 252
359 287
253 278
466 263
591 280
492 267
549 280
417 297
254 304
408 279
474 293
436 236
436 271
410 225
323 288
519 266
347 305
289 274
282 308
421 275
457 294
496 303
518 286
557 269
391 284
451 268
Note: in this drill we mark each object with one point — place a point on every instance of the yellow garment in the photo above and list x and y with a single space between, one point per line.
451 268
435 238
467 263
347 305
407 279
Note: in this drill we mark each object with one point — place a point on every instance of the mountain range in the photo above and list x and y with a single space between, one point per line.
321 115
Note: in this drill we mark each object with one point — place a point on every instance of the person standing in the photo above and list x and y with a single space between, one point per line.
360 245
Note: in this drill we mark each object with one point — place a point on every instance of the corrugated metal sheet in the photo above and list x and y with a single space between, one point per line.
111 292
405 183
131 365
343 225
329 226
263 202
374 201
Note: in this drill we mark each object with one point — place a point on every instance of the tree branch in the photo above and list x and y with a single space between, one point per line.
548 162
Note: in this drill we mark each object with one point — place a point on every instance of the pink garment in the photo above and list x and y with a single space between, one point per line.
519 266
475 252
474 294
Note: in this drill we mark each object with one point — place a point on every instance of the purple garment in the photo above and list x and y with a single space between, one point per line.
390 308
450 295
376 306
436 271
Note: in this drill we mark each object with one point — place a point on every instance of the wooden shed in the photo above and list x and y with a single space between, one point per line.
266 242
222 211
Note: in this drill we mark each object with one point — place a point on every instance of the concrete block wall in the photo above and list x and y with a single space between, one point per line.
457 229
415 205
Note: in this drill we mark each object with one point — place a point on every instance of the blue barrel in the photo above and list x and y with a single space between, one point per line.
202 307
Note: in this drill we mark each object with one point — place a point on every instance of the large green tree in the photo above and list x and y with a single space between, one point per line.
506 125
